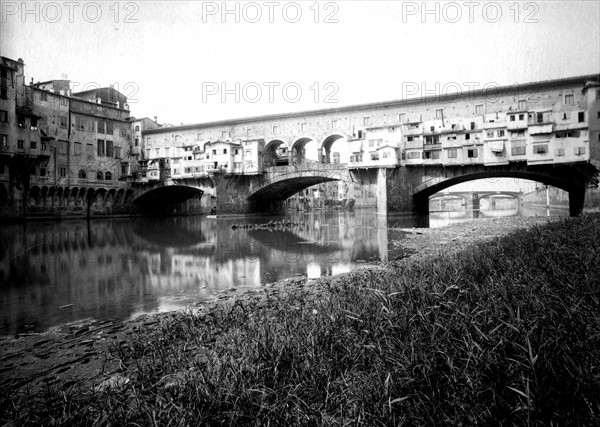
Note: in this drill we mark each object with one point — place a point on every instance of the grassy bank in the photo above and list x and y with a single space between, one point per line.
505 332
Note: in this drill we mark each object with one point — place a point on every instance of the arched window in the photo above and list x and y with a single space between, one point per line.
107 176
82 174
99 176
137 128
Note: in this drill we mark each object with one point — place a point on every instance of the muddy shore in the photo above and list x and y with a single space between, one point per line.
81 356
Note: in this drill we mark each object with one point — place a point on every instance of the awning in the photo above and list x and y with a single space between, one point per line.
540 129
496 146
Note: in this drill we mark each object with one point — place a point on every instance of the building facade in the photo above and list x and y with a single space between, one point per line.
60 152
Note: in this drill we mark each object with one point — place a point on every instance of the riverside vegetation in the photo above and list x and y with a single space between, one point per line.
504 332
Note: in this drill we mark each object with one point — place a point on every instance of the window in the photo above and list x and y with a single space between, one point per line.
64 101
409 138
522 105
559 152
472 125
89 150
100 151
402 117
3 140
224 150
411 155
124 168
34 123
137 128
20 144
366 121
3 92
214 152
540 117
237 166
579 150
123 132
374 156
452 153
521 116
100 176
581 117
467 136
77 148
137 142
517 151
237 151
43 146
81 174
33 145
431 154
490 133
62 171
117 152
44 96
187 170
439 113
21 121
479 109
540 149
501 132
334 124
569 99
108 176
512 117
3 116
109 149
472 153
42 171
101 126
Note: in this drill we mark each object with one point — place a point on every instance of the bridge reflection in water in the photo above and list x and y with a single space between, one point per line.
52 273
447 208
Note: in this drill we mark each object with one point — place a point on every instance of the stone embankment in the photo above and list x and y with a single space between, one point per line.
79 354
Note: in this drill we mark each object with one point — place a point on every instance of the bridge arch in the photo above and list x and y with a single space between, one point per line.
283 189
571 183
298 155
165 197
326 145
270 156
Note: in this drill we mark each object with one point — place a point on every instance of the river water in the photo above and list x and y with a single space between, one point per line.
77 271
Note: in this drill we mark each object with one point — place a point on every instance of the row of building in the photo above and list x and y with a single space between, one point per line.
50 136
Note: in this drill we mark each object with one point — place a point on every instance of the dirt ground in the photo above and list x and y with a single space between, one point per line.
80 355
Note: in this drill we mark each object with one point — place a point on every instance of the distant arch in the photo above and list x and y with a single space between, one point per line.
107 176
272 158
81 174
328 142
298 155
100 176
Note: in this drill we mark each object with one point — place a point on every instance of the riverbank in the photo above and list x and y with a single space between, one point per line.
471 329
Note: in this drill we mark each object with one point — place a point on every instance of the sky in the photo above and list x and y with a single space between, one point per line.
192 62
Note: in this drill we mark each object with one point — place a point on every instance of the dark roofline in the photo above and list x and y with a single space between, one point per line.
75 98
99 88
386 104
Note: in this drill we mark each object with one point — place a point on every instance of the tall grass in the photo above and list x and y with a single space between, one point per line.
506 332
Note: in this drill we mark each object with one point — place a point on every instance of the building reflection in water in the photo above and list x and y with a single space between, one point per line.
53 273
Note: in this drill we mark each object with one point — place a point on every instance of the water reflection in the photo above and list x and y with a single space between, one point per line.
57 272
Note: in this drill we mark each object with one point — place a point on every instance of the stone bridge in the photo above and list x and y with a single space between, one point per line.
168 194
409 188
266 192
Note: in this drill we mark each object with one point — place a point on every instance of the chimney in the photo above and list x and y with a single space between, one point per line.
156 119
